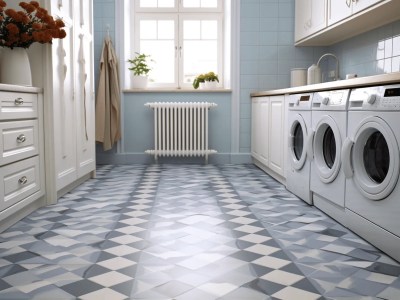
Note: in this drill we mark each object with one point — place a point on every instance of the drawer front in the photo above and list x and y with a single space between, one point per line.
19 140
18 181
18 106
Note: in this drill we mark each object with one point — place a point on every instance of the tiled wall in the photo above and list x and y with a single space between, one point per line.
268 54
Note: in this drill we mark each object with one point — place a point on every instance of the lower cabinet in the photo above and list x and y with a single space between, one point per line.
21 153
267 134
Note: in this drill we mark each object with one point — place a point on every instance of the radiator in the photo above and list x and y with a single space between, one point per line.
181 129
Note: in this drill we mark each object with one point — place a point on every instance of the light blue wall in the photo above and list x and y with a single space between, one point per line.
266 56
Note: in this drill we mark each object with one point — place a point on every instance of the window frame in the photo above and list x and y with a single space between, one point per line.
182 14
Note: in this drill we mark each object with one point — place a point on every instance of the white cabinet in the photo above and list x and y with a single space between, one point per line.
69 97
340 10
310 17
267 134
21 153
343 19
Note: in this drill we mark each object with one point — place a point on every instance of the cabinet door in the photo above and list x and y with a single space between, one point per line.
302 18
262 130
276 134
255 104
338 10
84 88
64 119
360 5
318 16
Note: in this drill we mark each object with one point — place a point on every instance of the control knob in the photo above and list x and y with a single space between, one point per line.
371 99
325 100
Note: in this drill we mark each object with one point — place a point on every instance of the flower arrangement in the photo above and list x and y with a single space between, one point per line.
210 76
30 25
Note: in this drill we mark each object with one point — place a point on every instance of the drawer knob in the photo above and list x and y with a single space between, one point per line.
21 138
23 180
19 101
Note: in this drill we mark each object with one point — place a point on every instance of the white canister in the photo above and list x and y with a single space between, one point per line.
298 77
313 74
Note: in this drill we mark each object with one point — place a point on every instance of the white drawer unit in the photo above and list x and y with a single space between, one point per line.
21 153
14 105
18 140
18 181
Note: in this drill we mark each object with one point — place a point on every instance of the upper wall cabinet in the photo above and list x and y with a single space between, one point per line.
310 17
345 19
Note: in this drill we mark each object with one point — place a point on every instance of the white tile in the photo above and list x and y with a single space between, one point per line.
121 250
282 277
248 229
262 249
295 293
255 238
110 279
116 263
243 220
103 294
217 289
271 262
126 239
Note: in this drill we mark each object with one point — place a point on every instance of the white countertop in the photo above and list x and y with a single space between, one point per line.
390 78
19 88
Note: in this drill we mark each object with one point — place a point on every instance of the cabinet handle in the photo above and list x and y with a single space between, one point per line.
23 180
19 101
21 138
348 2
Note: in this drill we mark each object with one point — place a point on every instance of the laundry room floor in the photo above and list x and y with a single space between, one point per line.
188 232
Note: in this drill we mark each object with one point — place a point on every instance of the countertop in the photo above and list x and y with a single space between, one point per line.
390 78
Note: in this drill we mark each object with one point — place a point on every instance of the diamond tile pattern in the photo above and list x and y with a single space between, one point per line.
188 232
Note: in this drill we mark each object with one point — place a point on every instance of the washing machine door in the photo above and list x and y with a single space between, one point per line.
327 145
375 158
297 142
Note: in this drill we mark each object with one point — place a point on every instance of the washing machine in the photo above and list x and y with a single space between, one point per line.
329 129
298 162
370 158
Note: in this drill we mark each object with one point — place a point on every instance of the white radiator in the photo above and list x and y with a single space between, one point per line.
181 129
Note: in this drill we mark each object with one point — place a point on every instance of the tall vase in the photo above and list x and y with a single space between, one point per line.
15 67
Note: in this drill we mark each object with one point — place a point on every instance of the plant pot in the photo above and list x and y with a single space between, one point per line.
210 85
15 67
139 82
202 86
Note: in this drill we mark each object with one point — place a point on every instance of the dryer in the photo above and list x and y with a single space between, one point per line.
298 162
329 126
371 166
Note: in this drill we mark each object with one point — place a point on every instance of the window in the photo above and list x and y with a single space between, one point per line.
184 38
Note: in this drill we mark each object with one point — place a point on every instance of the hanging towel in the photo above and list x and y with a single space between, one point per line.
108 124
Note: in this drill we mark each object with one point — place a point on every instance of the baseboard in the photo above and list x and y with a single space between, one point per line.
142 158
271 173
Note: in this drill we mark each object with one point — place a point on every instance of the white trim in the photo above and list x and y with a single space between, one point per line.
120 10
235 73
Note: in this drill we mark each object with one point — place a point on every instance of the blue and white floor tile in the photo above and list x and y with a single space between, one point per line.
188 232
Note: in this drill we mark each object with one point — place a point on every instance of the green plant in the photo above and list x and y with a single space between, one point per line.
210 76
140 64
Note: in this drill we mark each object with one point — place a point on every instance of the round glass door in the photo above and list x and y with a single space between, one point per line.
327 146
375 159
297 135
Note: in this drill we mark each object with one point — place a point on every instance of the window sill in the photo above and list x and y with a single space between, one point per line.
166 90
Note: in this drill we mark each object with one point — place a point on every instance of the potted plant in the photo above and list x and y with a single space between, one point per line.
208 81
141 69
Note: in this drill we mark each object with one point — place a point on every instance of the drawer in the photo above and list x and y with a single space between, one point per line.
18 181
18 140
18 106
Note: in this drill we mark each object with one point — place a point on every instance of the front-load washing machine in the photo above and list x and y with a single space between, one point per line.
371 165
329 126
298 163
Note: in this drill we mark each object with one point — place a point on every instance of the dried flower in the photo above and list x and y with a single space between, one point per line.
30 25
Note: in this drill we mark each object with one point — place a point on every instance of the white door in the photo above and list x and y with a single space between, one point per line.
360 5
262 128
64 106
338 10
374 155
297 141
318 16
302 18
276 134
255 106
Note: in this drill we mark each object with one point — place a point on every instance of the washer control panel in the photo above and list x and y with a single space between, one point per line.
376 98
331 100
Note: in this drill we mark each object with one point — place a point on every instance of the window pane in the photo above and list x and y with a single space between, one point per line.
166 3
200 3
166 30
199 57
191 3
148 3
155 3
209 30
163 54
148 30
191 30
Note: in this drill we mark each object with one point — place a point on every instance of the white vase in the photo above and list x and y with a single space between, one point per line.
210 85
139 82
15 67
